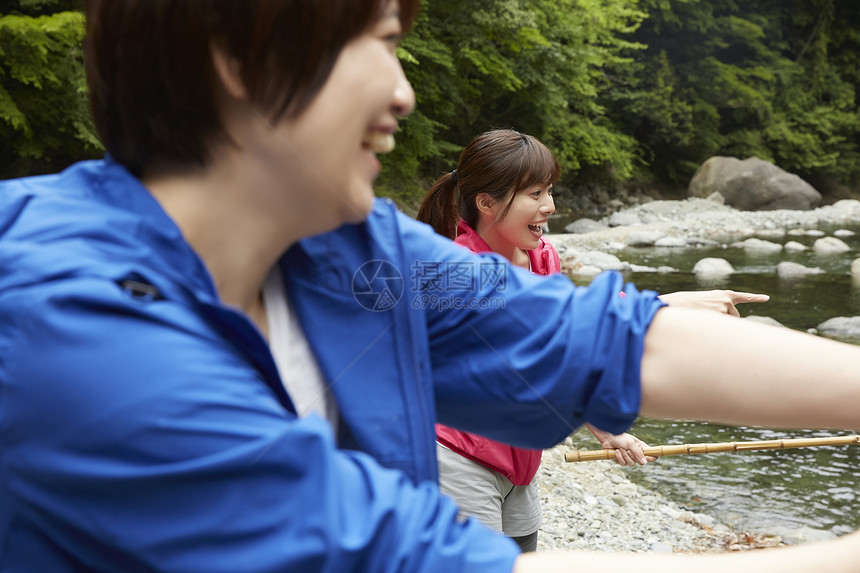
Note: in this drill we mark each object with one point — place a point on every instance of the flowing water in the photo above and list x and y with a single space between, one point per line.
766 492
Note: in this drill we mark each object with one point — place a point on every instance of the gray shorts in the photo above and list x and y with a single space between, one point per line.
488 495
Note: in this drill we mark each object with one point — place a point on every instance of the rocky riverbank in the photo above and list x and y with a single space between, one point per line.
595 506
587 246
695 222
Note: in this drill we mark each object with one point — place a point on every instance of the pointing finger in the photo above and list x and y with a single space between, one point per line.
741 297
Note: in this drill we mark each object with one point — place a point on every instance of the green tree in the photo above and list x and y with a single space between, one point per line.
815 126
38 7
45 122
699 88
532 65
619 89
762 78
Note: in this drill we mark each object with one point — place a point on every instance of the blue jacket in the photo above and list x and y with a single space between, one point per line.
143 425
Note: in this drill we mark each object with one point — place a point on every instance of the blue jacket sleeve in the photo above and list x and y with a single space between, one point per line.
537 352
134 439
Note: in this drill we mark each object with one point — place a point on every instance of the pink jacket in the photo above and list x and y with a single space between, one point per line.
517 464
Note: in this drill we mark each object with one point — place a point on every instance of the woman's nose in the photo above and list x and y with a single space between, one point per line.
403 99
548 206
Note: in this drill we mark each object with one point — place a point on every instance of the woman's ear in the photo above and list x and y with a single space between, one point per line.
229 71
485 203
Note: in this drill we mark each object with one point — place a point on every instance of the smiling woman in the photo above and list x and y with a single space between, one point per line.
501 192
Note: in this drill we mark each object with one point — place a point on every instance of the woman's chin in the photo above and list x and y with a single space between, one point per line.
360 206
530 245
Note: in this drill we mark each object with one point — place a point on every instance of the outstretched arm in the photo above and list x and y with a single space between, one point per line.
837 556
708 366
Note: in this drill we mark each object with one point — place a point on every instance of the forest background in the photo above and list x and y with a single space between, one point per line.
627 93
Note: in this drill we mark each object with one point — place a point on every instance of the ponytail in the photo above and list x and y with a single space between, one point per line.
498 163
439 208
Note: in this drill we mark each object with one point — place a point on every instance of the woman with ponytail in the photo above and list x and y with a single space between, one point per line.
497 200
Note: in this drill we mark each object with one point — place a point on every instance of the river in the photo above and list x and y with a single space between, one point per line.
765 492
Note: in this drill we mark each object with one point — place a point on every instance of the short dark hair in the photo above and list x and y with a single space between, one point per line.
152 81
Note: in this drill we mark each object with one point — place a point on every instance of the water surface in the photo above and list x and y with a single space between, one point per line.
763 491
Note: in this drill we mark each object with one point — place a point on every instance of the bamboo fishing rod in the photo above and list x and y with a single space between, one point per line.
687 449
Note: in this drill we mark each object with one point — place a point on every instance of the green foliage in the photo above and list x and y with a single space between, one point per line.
762 78
537 66
44 115
38 7
648 88
618 89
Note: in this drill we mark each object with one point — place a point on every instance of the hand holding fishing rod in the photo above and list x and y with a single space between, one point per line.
711 448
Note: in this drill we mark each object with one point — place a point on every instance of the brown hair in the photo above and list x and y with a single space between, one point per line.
499 163
152 81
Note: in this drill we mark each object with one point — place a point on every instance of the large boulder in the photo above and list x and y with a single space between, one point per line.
753 185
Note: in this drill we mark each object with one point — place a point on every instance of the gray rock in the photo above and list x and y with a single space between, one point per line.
795 247
603 261
845 210
648 218
843 327
771 233
585 270
802 535
830 245
759 245
716 197
713 266
582 226
753 185
624 219
788 269
638 268
702 242
671 242
643 238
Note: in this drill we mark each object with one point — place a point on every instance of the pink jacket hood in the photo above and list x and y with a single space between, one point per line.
544 259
